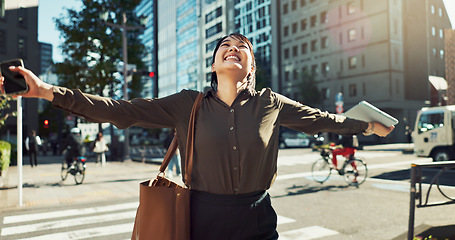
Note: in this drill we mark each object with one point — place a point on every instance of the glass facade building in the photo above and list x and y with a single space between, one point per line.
187 45
145 8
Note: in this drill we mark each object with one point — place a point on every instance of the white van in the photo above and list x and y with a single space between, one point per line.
433 134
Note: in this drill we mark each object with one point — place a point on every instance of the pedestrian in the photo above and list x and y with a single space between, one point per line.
32 143
100 148
175 159
236 137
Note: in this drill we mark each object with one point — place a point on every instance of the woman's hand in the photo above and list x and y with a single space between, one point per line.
381 130
36 87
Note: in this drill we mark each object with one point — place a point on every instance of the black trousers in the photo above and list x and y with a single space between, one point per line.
232 217
33 157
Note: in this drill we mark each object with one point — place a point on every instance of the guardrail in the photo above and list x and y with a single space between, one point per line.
417 192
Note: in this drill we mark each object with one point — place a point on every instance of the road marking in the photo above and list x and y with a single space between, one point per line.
375 166
283 220
310 158
88 233
67 213
307 233
67 223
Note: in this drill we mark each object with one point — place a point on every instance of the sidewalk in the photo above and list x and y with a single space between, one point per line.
42 185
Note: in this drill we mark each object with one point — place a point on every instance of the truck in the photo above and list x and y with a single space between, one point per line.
434 133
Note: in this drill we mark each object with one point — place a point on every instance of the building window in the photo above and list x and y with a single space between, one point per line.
314 70
213 15
303 24
22 47
304 48
313 21
286 53
324 18
352 90
295 51
434 52
314 45
286 31
441 33
324 42
208 62
295 74
351 35
294 5
352 62
441 53
325 93
285 8
433 31
440 12
286 76
22 17
351 8
302 3
213 30
432 9
325 68
294 28
2 41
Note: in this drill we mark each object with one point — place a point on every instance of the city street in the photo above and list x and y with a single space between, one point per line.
104 206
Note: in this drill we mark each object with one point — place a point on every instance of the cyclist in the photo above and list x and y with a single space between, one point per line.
73 145
349 144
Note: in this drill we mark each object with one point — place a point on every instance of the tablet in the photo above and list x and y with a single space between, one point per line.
366 112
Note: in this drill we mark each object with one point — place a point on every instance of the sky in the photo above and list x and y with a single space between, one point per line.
49 9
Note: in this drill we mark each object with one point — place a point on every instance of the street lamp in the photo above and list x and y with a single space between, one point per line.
125 28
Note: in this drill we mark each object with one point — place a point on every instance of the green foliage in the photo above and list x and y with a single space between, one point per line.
5 109
308 90
93 49
5 155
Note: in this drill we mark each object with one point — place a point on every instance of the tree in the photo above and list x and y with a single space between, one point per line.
93 49
5 109
308 89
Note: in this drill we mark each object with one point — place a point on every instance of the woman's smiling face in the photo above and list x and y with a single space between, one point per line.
233 55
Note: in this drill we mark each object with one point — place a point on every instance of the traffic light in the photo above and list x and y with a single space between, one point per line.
151 74
46 123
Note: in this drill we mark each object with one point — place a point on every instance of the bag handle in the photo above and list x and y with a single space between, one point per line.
189 144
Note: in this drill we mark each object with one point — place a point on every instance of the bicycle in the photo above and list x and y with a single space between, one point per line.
354 170
77 169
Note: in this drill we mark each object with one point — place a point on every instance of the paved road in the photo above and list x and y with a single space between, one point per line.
104 206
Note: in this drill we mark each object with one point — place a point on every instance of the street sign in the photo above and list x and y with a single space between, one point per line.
339 109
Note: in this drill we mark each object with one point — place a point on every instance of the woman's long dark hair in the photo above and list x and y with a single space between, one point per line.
252 77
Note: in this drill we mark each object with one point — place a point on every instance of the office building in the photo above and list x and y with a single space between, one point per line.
450 64
379 51
147 9
46 57
253 19
19 39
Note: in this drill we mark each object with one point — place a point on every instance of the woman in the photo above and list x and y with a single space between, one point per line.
236 138
100 149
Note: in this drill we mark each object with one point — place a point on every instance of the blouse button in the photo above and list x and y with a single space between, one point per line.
236 168
232 110
234 147
231 128
236 189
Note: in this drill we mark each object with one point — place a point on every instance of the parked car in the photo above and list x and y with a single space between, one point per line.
293 139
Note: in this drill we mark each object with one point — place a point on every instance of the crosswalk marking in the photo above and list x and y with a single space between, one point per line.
87 233
284 220
68 213
66 223
307 233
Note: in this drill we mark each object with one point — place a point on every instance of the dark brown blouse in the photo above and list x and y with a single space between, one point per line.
236 146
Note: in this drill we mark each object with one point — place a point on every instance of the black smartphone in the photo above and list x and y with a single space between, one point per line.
14 83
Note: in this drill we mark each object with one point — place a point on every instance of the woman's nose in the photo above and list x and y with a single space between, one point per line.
234 48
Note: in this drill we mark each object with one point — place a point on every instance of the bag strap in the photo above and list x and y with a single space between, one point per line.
189 144
190 141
